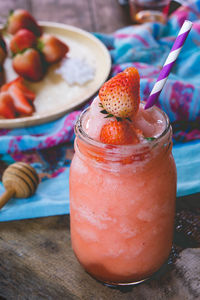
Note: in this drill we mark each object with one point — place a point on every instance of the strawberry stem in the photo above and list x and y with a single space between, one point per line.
4 29
129 119
104 112
150 138
109 116
11 11
119 119
40 45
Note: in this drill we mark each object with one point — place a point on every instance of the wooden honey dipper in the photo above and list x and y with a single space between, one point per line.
20 181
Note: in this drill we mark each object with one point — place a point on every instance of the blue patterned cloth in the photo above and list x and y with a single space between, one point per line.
145 47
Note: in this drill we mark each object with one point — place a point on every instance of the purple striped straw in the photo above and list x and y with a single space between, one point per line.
162 78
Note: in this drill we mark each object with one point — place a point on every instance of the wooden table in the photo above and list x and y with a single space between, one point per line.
36 259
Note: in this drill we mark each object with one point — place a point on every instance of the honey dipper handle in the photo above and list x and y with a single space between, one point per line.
6 196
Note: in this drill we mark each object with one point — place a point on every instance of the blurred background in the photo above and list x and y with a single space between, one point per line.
91 15
87 14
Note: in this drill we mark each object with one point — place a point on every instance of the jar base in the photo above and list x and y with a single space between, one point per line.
118 284
154 275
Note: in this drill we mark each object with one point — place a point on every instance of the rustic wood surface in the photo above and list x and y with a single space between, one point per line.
36 259
37 262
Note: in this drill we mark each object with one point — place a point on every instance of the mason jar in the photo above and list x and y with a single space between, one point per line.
122 205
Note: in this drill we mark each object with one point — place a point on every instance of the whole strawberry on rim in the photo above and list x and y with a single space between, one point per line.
120 96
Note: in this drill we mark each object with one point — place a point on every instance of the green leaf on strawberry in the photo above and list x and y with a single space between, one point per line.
40 45
104 112
149 138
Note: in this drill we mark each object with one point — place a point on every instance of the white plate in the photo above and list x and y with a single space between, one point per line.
54 97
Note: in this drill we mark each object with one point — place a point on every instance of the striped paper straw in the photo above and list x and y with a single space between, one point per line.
178 44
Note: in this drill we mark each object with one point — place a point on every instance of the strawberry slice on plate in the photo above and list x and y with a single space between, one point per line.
28 94
20 95
20 102
7 109
19 82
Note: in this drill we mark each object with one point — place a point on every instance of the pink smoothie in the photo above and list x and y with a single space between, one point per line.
122 198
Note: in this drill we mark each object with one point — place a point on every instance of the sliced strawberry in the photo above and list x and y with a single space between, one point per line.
52 48
19 82
118 133
22 39
27 93
19 94
21 18
120 96
29 65
21 104
7 109
7 85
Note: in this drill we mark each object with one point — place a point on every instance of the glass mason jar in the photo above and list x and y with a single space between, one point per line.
122 206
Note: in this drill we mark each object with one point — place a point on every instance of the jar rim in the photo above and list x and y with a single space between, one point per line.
79 131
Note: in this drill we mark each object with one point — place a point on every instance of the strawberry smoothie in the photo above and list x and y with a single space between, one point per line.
122 191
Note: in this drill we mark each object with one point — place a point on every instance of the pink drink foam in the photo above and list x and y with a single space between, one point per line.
95 120
150 121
